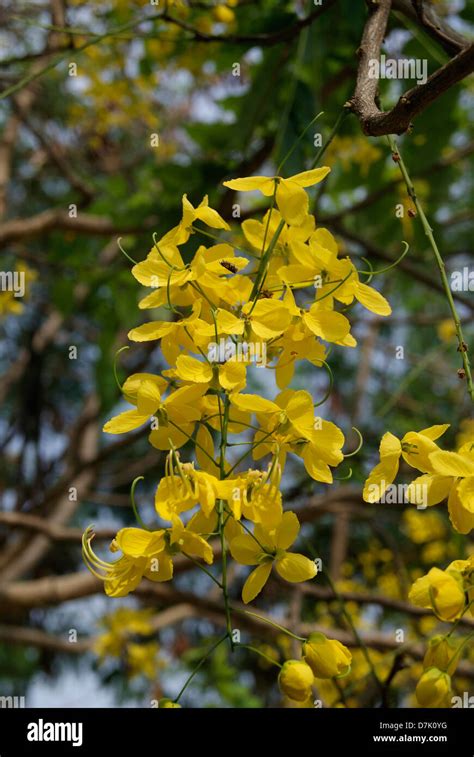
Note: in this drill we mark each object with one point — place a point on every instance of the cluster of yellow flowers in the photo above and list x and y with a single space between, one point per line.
448 593
221 320
118 640
323 658
445 475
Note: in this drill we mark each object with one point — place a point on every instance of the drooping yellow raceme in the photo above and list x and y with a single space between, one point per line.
219 312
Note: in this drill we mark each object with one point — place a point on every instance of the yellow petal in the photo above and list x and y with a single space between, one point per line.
255 582
372 300
205 441
327 324
385 472
245 550
452 464
315 467
466 494
295 567
211 218
126 421
136 542
253 403
434 432
462 519
149 331
148 398
194 545
265 184
191 369
292 202
232 375
160 569
310 178
429 490
287 531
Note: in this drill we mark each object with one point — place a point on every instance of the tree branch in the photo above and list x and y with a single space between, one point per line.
375 122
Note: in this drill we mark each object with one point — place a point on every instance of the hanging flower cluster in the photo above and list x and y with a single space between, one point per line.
272 304
448 593
445 475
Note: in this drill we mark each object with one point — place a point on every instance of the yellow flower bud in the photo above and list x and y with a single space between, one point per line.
434 689
441 654
327 658
295 680
168 704
441 590
223 14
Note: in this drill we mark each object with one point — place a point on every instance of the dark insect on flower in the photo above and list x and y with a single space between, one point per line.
230 266
411 213
395 157
265 294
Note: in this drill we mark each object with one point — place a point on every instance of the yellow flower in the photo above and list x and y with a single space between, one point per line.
181 233
183 488
164 270
255 495
290 196
120 625
415 448
441 654
333 278
456 472
266 547
442 591
174 417
327 658
434 689
289 424
144 554
230 375
295 680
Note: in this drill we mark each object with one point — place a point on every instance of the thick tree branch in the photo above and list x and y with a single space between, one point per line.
19 228
375 122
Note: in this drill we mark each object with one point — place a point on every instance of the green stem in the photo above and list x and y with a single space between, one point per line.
221 522
262 269
204 569
259 652
462 347
274 624
199 666
342 115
